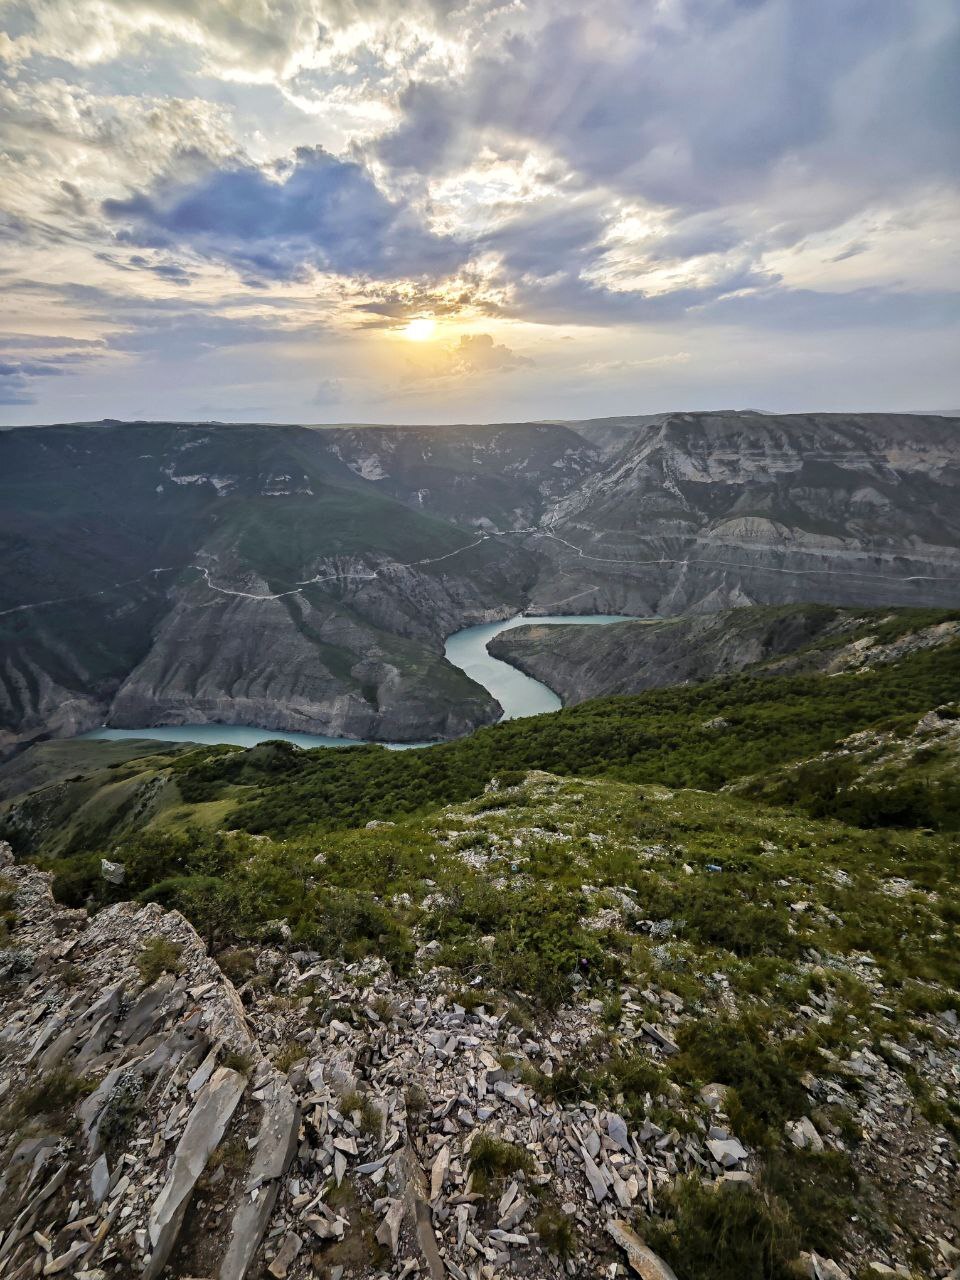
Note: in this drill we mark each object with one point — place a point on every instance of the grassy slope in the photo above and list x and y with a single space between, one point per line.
789 945
56 761
703 736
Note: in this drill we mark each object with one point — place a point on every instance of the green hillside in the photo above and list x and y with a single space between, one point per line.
703 736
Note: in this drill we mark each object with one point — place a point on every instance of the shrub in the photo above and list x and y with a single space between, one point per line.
237 965
492 1159
557 1232
238 1061
354 925
53 1095
745 1055
158 956
724 1235
119 1117
818 1189
288 1054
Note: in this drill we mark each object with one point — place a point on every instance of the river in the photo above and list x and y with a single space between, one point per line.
518 694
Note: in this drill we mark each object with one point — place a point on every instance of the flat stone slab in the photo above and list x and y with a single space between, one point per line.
204 1130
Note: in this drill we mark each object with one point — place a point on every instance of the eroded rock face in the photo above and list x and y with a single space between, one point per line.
580 663
126 1085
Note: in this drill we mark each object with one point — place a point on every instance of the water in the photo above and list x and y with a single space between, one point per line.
518 694
236 735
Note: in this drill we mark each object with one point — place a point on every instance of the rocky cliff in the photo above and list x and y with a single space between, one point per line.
705 511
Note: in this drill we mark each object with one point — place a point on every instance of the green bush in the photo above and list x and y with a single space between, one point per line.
735 1234
53 1095
655 736
354 925
747 1056
557 1232
158 956
492 1160
818 1189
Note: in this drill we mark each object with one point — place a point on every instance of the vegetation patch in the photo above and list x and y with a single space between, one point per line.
159 955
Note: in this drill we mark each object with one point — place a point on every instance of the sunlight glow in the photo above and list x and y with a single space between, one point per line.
420 330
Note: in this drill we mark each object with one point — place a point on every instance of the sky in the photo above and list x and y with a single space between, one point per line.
476 210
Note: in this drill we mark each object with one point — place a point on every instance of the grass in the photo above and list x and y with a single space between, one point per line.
158 956
237 963
359 1105
492 1160
237 1060
52 1097
713 1235
289 1054
557 1232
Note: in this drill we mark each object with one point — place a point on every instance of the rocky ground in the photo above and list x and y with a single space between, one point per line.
308 1117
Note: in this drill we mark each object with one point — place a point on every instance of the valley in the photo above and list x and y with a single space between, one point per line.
640 960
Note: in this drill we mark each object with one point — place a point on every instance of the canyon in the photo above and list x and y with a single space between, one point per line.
306 579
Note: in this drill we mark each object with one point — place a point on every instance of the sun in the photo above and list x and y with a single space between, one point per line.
421 329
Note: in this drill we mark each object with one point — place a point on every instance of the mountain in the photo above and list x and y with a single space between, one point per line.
665 982
300 578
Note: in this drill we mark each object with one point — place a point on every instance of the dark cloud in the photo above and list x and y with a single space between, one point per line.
814 310
549 239
701 112
319 212
18 377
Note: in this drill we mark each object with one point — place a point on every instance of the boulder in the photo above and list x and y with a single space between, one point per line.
113 872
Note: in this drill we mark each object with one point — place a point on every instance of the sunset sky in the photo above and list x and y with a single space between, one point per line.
426 210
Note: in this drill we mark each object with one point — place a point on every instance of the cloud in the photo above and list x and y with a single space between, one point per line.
478 353
694 114
254 41
18 377
329 391
639 169
315 212
474 354
731 130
